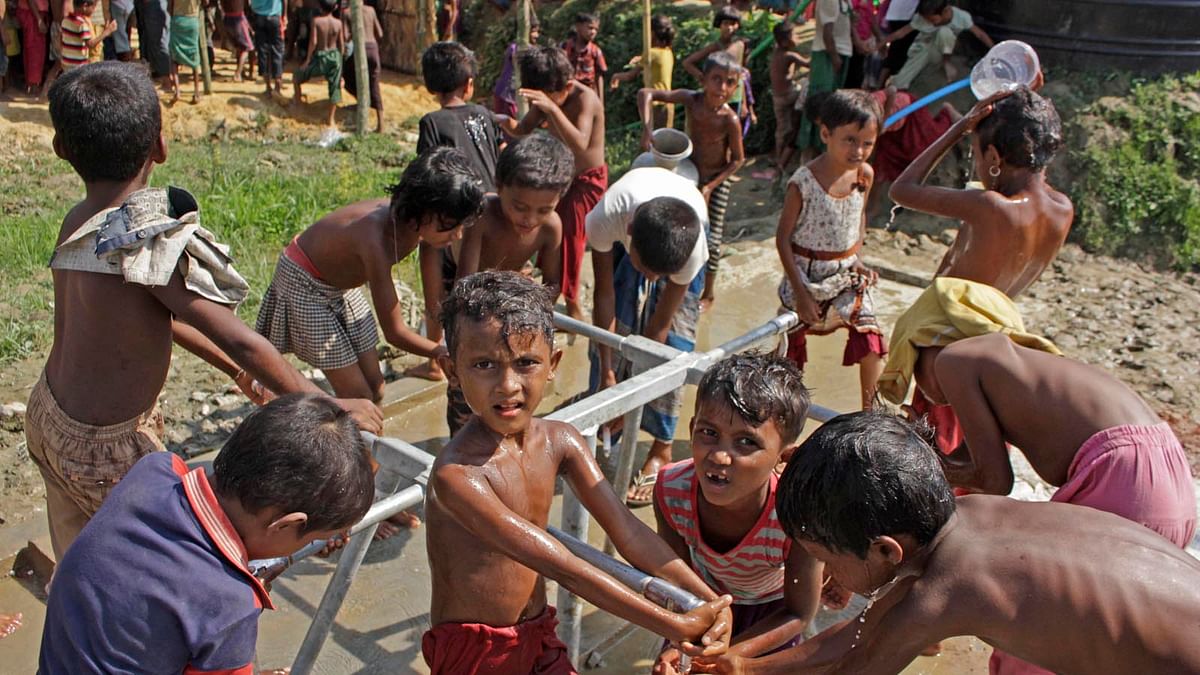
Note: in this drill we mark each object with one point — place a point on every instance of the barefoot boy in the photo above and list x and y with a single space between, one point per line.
648 254
326 45
516 225
1068 588
93 413
785 90
237 31
717 137
575 116
449 69
717 509
158 583
1081 429
489 500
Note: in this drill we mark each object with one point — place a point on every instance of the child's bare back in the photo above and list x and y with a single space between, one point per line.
233 7
327 32
357 243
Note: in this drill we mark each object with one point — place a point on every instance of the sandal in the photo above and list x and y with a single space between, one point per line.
640 483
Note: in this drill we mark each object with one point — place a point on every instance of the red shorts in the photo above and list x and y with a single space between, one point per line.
467 648
858 345
943 421
585 192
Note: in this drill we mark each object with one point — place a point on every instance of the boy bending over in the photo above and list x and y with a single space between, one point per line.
489 500
717 509
1071 589
132 262
517 224
183 600
574 115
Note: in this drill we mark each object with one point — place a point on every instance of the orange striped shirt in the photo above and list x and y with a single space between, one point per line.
753 571
76 31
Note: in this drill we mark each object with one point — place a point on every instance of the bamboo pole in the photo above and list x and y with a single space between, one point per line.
523 20
205 66
647 77
426 25
363 94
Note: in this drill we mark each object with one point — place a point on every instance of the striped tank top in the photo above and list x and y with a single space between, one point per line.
752 571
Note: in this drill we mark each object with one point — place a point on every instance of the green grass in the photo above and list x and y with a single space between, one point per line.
254 197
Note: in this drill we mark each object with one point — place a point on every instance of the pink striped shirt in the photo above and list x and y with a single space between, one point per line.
752 571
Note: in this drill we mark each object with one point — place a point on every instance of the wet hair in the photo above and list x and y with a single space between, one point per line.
586 17
446 66
860 477
662 29
721 60
783 31
327 6
929 7
834 109
664 232
545 68
726 13
300 452
441 181
539 162
519 304
107 119
759 386
1025 129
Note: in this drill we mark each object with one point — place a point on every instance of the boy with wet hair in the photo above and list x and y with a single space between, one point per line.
449 71
131 261
326 45
717 140
717 508
490 492
575 115
648 255
517 224
295 471
1071 589
937 24
585 55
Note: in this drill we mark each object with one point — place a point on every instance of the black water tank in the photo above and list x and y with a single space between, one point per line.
1150 36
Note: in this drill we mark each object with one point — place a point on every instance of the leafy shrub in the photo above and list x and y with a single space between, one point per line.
1137 191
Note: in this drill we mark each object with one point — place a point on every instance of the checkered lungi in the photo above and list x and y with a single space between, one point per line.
323 326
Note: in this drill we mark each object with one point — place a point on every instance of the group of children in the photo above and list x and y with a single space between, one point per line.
864 506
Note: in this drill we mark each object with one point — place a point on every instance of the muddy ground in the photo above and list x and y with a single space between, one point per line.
1138 323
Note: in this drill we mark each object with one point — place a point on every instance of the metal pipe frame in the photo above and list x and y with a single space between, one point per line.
667 370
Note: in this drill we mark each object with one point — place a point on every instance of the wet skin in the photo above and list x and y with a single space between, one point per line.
490 495
514 227
1046 405
574 115
1069 588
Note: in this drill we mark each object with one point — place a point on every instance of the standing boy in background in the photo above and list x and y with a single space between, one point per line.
717 138
662 66
372 34
585 55
575 115
237 30
185 44
449 70
490 492
326 44
268 43
785 91
832 47
727 20
94 412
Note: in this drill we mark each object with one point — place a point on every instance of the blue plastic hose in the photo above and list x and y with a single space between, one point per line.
926 100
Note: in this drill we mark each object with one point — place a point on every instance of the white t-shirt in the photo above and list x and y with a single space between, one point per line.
608 222
902 10
836 12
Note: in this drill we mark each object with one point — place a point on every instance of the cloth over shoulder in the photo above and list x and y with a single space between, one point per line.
145 239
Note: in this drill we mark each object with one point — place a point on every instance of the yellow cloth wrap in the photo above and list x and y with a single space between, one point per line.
949 310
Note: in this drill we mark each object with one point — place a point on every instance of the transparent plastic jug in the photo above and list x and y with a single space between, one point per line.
1006 66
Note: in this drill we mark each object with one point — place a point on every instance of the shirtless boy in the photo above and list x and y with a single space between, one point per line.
1071 589
727 20
93 413
489 500
237 32
785 90
717 138
326 45
517 225
1081 429
573 113
1012 229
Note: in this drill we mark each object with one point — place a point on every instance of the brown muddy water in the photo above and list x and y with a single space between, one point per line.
380 626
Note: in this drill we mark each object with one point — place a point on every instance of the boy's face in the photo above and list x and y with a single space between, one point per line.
925 377
503 382
720 84
728 28
851 144
734 458
534 33
440 231
587 30
940 18
636 260
852 573
84 7
526 209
